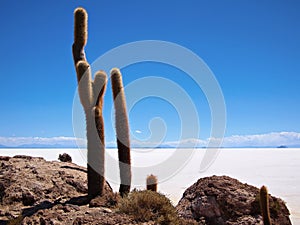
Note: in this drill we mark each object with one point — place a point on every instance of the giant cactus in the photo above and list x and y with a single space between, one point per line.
91 97
264 205
122 130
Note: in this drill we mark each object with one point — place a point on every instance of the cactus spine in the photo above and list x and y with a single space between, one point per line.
91 97
264 205
151 183
122 130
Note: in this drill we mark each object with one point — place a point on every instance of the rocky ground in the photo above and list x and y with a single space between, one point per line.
36 191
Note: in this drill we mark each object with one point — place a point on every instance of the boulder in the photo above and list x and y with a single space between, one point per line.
219 200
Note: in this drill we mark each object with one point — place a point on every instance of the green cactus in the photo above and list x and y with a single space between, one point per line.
122 130
151 183
264 205
91 97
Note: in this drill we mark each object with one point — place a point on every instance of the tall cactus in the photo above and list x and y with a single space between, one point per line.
122 130
151 183
264 205
91 97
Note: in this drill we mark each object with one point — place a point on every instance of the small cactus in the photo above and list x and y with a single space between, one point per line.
122 130
264 205
151 183
91 97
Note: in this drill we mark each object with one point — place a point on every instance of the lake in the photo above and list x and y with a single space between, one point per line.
278 169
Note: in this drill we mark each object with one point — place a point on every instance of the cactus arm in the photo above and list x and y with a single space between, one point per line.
122 130
85 86
80 34
99 83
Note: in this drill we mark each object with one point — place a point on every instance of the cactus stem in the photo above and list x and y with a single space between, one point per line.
264 205
122 130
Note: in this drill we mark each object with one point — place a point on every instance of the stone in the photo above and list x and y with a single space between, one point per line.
65 157
219 200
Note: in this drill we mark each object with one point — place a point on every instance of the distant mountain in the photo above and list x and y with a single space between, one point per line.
165 146
293 146
282 146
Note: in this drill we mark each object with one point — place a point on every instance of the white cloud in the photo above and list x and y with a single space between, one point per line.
273 139
191 142
265 140
63 141
257 140
138 131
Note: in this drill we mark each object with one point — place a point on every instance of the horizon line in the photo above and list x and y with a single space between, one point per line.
266 140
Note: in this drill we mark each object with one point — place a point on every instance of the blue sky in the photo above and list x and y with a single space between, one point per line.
252 47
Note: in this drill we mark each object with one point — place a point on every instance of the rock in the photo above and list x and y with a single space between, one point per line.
4 158
221 200
27 198
108 200
106 210
22 157
65 157
32 185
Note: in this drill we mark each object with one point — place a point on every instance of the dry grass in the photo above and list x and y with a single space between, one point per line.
149 206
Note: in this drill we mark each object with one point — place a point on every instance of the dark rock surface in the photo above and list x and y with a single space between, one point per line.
223 200
36 191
